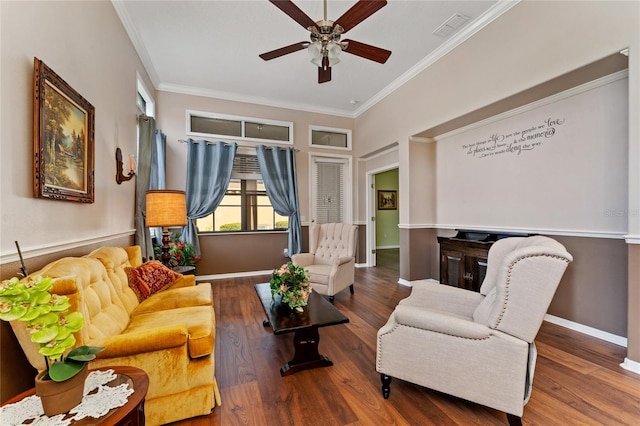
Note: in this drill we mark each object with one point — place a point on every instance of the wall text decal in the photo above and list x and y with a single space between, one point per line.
515 142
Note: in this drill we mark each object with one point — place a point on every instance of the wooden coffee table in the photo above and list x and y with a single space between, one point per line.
318 313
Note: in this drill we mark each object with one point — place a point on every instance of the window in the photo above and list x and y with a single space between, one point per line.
331 189
245 206
206 124
144 101
327 137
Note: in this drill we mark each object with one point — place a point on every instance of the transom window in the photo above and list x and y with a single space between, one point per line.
205 124
328 137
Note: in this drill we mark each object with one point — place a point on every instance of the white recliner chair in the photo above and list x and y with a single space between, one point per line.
331 258
476 346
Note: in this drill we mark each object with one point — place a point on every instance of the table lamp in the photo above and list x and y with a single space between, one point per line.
166 208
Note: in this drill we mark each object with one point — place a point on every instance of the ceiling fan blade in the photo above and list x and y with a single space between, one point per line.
324 72
267 56
359 12
367 51
294 13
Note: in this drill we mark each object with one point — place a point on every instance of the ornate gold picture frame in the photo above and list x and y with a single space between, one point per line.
387 200
63 139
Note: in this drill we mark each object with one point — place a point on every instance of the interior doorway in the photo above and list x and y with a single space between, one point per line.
384 237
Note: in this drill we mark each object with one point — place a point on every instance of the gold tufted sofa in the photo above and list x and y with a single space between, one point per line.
170 335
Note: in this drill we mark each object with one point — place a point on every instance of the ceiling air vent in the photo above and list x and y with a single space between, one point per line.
451 25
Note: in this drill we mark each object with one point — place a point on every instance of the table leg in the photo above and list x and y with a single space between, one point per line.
305 343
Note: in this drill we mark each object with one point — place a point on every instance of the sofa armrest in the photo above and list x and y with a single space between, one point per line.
141 342
184 281
440 322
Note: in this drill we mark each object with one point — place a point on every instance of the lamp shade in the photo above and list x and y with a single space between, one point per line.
166 207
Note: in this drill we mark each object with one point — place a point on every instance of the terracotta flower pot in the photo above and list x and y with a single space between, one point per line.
60 397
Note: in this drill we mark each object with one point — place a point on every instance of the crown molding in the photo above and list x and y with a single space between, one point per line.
138 45
457 39
468 31
235 97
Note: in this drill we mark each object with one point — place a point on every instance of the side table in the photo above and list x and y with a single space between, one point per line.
130 414
184 270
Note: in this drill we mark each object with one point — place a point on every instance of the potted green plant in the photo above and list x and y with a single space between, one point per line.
293 284
51 326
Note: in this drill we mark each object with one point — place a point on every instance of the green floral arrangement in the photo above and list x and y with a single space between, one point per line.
48 321
182 254
293 284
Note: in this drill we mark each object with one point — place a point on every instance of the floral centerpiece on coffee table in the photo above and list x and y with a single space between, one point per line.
293 284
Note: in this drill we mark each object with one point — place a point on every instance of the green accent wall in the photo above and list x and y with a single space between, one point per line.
387 232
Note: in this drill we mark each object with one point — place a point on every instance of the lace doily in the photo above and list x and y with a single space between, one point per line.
97 401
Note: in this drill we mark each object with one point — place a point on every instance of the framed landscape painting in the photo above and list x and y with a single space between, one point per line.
63 139
387 200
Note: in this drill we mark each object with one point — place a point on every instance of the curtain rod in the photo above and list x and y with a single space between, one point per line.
243 146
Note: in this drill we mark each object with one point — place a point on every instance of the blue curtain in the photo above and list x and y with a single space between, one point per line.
146 130
157 179
209 167
278 169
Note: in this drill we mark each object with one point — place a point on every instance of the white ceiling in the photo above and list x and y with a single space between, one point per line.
211 48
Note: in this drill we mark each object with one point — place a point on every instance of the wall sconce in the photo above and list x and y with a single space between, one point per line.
120 176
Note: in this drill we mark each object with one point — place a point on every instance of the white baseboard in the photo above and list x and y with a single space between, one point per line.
630 365
233 275
590 331
404 282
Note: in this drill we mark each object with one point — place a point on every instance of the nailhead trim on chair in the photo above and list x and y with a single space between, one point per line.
511 265
425 329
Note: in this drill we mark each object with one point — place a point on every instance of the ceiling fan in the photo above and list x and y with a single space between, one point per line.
325 45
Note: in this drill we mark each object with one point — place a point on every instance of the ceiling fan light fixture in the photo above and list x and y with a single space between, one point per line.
333 51
325 47
315 51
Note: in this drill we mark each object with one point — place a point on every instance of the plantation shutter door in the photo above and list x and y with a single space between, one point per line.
329 191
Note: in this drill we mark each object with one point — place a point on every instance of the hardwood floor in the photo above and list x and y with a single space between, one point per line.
578 379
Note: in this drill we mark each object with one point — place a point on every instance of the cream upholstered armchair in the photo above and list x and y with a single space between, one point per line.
476 346
331 258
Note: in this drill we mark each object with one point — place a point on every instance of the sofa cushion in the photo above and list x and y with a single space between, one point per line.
173 298
149 278
200 322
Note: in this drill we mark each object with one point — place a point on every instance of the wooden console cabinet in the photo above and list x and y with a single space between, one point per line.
463 258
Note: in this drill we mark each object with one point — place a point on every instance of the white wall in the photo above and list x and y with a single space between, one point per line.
171 118
86 45
558 165
531 43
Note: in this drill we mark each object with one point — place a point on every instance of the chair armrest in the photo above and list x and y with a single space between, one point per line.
140 342
342 260
430 294
439 322
303 259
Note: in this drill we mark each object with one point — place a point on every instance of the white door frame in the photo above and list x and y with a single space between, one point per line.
371 210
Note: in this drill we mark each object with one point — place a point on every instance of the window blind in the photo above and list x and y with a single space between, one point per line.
329 192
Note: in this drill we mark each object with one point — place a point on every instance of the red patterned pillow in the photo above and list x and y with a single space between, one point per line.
150 277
